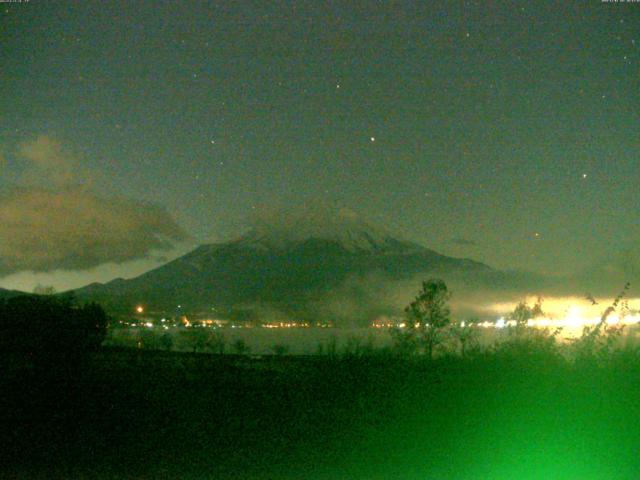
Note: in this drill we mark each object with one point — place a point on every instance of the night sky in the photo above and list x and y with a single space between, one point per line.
508 132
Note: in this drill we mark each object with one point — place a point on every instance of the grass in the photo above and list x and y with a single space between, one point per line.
149 414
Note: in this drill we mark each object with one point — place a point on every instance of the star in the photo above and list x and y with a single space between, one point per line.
584 175
373 139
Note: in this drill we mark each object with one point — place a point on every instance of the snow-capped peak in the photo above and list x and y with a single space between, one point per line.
284 229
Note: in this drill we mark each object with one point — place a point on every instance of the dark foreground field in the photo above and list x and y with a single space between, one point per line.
140 414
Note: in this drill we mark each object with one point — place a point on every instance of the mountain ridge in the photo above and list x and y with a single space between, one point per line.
293 265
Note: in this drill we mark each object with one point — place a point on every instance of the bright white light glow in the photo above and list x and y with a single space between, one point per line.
571 314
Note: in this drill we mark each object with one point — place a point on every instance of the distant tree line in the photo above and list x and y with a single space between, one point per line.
47 325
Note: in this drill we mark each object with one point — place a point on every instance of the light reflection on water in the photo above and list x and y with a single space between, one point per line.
566 315
310 341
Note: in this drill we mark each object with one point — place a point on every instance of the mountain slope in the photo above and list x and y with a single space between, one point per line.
9 293
293 267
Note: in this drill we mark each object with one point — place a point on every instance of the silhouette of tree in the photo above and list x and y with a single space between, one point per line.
428 315
197 338
279 349
241 347
217 342
48 325
524 341
44 290
522 313
148 339
598 342
166 341
466 333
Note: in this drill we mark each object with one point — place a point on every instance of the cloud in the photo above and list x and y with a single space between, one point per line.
73 229
607 276
51 220
315 219
46 164
464 242
64 280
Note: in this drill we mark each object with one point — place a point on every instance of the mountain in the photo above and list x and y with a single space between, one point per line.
294 265
9 293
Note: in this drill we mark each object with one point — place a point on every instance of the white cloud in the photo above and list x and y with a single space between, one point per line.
51 220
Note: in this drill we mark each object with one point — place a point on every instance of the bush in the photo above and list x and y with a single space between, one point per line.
280 349
241 347
465 336
528 344
598 343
